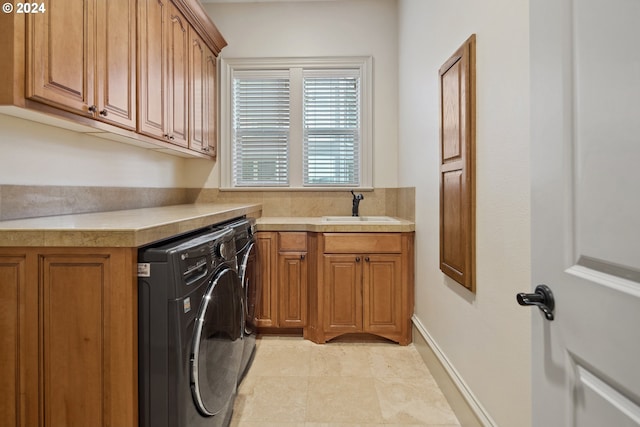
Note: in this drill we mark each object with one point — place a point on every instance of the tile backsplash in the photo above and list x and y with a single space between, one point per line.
27 201
381 201
23 201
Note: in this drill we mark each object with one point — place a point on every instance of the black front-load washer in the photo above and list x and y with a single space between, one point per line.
244 232
190 331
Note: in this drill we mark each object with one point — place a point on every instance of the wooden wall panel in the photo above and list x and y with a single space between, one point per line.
457 165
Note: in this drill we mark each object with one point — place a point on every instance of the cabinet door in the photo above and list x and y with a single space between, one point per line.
152 51
267 310
382 293
292 275
342 289
198 112
87 333
18 344
178 78
61 55
210 124
116 62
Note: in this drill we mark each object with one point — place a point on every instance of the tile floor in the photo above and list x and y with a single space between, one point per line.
296 383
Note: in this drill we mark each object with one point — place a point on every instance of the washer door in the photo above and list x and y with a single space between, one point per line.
249 276
217 345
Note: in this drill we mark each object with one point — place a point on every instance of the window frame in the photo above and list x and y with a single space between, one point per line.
227 68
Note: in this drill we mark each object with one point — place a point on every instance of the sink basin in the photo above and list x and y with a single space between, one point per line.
354 219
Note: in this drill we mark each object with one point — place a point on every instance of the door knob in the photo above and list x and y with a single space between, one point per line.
542 297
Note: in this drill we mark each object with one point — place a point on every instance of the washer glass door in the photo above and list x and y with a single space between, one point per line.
217 344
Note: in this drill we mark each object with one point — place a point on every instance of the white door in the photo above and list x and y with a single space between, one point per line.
585 150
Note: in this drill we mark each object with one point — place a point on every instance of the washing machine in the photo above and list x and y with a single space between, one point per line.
190 312
244 231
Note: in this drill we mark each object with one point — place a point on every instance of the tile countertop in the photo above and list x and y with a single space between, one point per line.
126 228
139 227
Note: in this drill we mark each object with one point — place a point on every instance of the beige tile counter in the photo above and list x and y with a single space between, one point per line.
317 224
138 227
125 228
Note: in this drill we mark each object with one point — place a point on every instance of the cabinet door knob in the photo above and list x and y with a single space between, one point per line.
367 259
357 259
92 109
302 257
103 113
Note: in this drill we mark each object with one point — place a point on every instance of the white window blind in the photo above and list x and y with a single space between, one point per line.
331 116
296 122
261 123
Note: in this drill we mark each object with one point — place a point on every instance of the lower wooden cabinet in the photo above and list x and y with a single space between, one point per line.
365 285
362 293
267 311
67 331
284 277
332 284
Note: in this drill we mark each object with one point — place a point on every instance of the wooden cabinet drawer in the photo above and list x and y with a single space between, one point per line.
337 243
292 241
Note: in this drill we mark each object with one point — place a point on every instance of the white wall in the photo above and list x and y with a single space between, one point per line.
323 28
36 154
486 336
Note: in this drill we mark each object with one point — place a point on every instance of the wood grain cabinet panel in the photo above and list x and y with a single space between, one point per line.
367 292
82 58
116 62
292 280
329 291
382 293
267 312
120 68
152 53
68 321
175 57
18 345
178 78
61 55
74 291
457 165
284 279
342 294
202 135
210 95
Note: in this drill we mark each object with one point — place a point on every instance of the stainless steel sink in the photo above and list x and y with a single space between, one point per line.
355 219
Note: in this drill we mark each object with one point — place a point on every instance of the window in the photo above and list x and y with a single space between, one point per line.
296 123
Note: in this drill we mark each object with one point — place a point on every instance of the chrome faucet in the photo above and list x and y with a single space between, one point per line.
356 203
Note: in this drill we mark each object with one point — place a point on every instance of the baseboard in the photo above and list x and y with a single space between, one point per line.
466 406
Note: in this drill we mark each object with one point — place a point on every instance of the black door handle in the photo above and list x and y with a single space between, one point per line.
542 297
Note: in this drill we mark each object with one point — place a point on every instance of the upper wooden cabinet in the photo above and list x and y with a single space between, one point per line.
175 57
202 96
81 57
142 70
164 72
